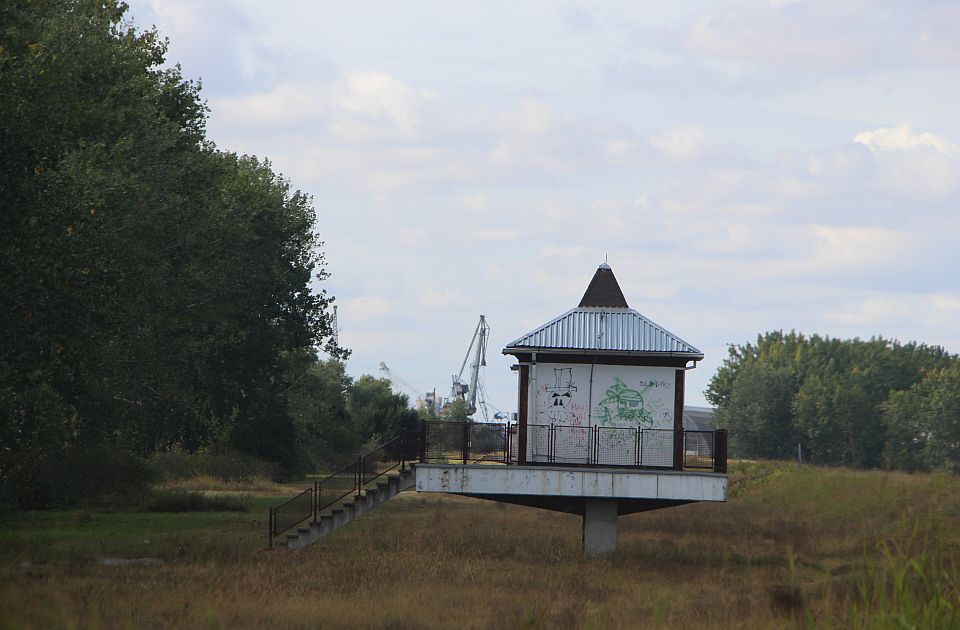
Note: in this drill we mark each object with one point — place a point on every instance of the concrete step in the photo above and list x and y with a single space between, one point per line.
346 512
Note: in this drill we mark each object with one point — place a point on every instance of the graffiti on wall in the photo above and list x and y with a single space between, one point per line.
624 405
635 406
604 395
559 402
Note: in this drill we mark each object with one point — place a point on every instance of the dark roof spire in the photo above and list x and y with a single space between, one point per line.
604 290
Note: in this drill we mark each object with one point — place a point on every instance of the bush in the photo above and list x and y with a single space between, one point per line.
62 478
230 466
184 501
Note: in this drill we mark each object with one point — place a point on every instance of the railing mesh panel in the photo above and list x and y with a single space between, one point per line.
444 442
572 445
539 442
487 442
338 485
698 449
616 446
656 448
293 512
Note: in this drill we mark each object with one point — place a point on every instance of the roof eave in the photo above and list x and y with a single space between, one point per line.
695 356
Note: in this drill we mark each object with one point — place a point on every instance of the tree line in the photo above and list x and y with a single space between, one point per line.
158 293
876 403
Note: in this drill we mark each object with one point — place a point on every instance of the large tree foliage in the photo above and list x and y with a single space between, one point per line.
153 287
923 423
844 401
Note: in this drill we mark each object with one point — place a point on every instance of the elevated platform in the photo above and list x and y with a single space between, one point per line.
569 489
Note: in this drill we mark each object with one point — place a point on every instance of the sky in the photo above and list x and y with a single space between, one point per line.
743 166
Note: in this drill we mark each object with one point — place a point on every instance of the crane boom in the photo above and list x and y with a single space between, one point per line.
478 346
396 379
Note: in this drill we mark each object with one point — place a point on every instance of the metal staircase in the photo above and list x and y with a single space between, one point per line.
339 498
337 517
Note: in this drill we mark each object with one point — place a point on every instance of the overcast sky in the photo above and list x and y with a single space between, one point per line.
745 166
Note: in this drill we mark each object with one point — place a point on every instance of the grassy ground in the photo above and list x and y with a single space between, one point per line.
791 548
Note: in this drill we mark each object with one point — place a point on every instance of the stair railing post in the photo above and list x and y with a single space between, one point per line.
359 473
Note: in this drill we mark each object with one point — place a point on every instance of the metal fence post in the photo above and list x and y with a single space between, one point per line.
678 449
639 445
552 444
423 441
720 451
359 473
271 526
465 441
595 442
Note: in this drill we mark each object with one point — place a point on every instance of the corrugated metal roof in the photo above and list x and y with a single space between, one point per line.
604 329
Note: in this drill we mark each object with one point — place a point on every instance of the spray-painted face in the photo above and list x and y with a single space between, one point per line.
560 399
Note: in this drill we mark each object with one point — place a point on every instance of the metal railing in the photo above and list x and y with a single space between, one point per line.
349 480
291 513
447 442
337 485
465 442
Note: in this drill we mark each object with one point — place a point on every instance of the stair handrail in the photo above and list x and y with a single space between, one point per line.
405 446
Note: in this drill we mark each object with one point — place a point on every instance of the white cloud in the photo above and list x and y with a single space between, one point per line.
453 175
680 143
903 138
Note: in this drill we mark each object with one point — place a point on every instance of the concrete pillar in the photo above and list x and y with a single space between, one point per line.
599 526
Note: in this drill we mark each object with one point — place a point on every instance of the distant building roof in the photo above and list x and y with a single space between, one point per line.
603 322
698 418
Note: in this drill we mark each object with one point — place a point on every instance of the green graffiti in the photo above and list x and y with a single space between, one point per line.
624 404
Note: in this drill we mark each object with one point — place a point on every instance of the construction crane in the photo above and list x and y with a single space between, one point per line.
398 381
467 392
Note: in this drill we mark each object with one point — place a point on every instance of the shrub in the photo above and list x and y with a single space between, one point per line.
184 501
229 466
71 476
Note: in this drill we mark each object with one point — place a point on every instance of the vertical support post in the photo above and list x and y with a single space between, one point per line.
465 442
423 441
600 526
316 499
522 409
720 451
678 440
678 420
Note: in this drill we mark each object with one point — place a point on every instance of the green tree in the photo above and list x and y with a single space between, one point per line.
757 413
923 423
376 412
827 394
318 403
152 285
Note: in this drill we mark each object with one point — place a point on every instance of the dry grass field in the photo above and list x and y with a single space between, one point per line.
791 548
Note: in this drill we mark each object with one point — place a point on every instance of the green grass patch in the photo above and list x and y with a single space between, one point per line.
792 548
